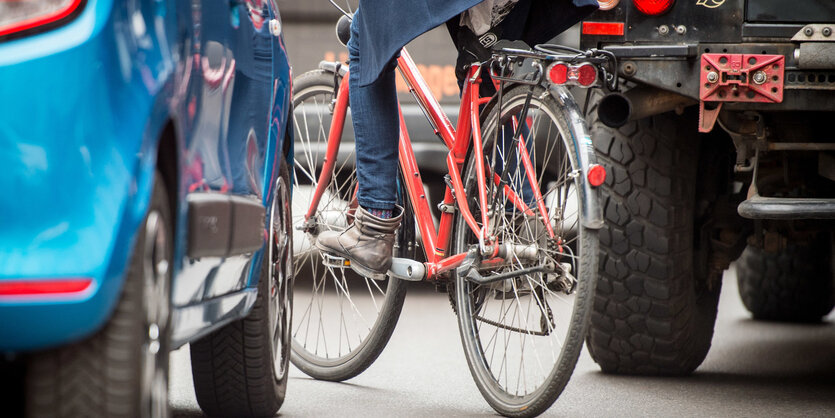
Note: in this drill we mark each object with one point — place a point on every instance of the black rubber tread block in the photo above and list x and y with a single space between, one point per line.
650 315
232 369
793 285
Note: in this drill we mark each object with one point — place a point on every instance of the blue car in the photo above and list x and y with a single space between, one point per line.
145 147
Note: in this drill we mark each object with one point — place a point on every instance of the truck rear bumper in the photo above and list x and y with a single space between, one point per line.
676 68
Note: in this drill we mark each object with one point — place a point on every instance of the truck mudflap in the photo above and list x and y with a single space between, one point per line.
749 78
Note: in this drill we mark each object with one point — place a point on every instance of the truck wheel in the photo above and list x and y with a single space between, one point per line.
793 285
652 315
122 370
241 369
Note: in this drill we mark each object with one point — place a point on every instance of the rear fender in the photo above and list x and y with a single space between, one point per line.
582 153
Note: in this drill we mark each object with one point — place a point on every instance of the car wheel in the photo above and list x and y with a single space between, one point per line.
122 370
241 369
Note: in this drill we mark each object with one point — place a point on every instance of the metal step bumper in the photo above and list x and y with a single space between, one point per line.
758 207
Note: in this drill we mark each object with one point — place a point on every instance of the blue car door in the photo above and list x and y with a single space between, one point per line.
232 72
249 116
249 121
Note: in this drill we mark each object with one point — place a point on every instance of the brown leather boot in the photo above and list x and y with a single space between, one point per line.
367 244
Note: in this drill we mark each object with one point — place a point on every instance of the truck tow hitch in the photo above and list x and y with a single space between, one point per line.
750 78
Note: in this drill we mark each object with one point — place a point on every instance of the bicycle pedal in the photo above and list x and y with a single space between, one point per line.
407 269
334 261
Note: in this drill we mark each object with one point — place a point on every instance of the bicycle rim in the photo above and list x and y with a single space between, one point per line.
522 336
341 320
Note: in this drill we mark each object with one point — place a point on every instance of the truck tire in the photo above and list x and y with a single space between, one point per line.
652 315
794 285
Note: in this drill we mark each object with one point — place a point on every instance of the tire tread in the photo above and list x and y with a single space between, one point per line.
98 376
232 367
793 285
647 316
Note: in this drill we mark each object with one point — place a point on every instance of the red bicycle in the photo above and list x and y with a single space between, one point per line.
516 243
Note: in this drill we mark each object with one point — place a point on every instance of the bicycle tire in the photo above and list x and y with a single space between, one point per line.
473 300
387 299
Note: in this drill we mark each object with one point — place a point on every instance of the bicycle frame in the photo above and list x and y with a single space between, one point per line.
458 139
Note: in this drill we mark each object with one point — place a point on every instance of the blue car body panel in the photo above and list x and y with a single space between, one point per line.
83 110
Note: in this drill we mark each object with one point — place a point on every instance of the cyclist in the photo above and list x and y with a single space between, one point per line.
380 28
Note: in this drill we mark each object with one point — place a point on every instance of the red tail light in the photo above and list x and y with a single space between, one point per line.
583 75
653 7
559 73
22 15
45 288
586 75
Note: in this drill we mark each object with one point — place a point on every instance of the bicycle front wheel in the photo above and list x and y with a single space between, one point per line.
522 335
341 320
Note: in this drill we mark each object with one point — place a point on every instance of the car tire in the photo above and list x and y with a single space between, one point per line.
795 284
652 315
122 370
241 369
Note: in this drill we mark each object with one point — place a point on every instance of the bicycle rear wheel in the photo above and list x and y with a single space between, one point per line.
341 320
522 335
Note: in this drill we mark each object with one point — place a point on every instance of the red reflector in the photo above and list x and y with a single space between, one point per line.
586 75
44 287
603 28
559 73
653 7
36 13
596 175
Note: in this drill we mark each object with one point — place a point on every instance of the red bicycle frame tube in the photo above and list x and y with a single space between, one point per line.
537 194
458 142
334 139
531 174
477 152
414 187
514 198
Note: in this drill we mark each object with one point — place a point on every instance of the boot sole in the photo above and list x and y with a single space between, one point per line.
358 268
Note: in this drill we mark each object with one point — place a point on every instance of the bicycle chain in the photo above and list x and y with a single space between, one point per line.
543 322
450 290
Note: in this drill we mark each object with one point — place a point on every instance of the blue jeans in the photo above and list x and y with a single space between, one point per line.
376 130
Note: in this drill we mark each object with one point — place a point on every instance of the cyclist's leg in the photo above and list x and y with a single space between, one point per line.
368 242
376 128
508 160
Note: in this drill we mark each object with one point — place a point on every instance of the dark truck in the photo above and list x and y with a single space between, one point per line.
719 147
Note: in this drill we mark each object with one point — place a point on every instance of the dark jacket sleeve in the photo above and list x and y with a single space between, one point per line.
549 18
387 25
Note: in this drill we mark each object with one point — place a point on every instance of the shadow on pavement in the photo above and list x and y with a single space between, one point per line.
754 368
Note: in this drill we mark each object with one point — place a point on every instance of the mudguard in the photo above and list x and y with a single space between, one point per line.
582 153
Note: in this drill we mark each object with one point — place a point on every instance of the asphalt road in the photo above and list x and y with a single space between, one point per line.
753 370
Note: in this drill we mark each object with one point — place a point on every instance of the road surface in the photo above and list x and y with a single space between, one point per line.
753 370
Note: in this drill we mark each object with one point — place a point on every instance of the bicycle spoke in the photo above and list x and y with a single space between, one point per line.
336 311
522 324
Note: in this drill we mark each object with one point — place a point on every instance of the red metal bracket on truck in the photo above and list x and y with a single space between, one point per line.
738 78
